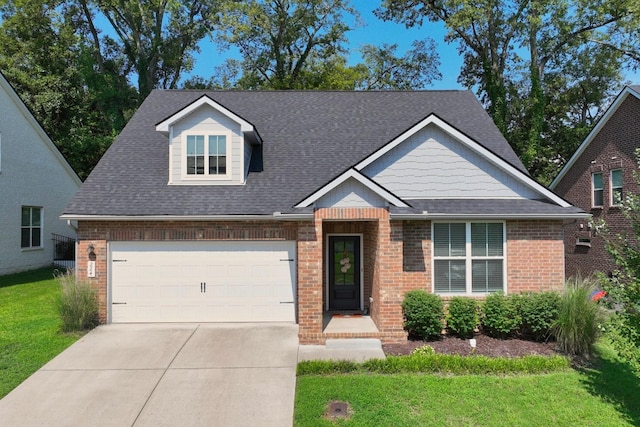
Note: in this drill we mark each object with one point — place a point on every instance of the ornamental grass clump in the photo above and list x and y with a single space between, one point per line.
77 303
579 318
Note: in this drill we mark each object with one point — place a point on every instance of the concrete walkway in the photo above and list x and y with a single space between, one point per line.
355 349
164 375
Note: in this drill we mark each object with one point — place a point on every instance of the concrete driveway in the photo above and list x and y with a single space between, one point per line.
164 375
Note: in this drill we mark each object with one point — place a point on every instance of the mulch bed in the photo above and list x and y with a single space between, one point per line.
485 346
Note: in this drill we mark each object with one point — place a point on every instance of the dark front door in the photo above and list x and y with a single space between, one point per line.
344 272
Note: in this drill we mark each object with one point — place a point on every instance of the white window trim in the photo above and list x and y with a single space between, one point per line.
468 258
206 176
33 248
593 191
611 188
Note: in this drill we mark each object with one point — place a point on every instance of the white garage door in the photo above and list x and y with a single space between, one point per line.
202 281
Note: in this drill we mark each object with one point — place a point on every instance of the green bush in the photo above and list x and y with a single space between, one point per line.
462 318
77 303
423 313
579 318
538 311
425 350
499 316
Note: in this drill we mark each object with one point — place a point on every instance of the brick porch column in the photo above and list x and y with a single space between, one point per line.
100 281
310 282
390 280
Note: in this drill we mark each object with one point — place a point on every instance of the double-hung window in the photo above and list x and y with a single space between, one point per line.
31 230
206 155
597 198
468 258
616 187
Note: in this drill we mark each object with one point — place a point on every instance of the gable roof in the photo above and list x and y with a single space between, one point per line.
362 179
474 146
26 113
164 125
308 138
624 94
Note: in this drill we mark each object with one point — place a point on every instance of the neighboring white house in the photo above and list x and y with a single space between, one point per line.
36 183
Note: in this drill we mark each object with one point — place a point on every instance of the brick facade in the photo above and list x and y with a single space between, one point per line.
612 148
396 258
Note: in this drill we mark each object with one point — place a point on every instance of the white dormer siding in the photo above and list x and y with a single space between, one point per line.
431 164
207 121
350 194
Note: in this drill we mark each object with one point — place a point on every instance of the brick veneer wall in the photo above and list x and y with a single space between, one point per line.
98 233
612 148
397 258
535 260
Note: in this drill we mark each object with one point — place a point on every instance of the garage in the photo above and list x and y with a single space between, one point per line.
222 281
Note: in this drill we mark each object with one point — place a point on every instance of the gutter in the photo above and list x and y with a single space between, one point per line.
437 216
276 216
71 226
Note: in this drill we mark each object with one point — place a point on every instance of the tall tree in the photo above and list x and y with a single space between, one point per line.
510 46
46 61
157 38
279 38
300 44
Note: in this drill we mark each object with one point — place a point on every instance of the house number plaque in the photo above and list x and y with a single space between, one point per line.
91 269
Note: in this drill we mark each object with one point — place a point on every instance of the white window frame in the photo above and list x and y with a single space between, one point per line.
31 227
611 187
468 258
593 190
206 175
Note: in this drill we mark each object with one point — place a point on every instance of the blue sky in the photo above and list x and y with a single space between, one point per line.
374 31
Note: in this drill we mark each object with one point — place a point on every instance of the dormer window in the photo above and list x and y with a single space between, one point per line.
206 155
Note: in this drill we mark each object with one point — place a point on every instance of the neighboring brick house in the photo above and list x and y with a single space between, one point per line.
599 173
235 206
36 183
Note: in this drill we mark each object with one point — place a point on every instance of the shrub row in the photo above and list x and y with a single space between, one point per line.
439 364
528 315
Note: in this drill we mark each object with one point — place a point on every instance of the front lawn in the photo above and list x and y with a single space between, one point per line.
29 326
606 395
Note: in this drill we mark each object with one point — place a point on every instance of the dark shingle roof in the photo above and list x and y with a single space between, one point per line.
309 138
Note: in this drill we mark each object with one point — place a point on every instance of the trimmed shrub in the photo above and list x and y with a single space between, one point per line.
538 312
463 316
77 303
423 314
499 316
579 317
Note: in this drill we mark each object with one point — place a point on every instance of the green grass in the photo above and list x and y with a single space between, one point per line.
608 394
29 325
